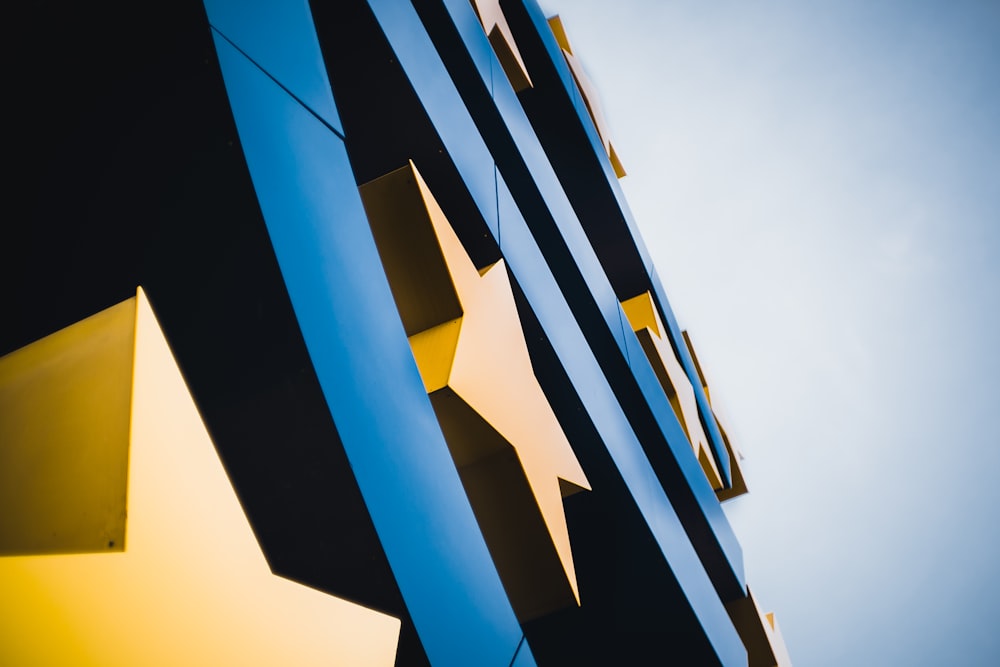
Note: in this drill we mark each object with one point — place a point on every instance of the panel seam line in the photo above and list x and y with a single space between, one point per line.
279 84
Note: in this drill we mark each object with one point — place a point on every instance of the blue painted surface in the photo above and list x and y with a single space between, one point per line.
523 656
459 133
280 37
354 336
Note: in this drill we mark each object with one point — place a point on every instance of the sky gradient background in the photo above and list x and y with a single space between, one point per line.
819 186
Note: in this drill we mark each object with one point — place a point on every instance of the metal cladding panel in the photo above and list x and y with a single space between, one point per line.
578 255
604 410
354 336
293 59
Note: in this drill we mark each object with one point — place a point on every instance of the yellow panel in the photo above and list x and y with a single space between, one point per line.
556 24
490 405
192 587
434 351
502 39
64 420
641 314
645 321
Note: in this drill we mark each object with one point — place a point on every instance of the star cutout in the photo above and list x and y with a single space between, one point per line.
191 586
514 459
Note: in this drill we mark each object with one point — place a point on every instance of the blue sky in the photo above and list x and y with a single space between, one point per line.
819 185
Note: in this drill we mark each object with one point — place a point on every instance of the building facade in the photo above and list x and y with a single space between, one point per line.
330 337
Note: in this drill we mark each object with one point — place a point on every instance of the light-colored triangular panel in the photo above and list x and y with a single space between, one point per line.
192 586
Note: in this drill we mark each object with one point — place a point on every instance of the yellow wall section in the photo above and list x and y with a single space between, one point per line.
512 455
192 586
64 423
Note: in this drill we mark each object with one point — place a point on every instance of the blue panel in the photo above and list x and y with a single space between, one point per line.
711 428
280 37
523 657
348 318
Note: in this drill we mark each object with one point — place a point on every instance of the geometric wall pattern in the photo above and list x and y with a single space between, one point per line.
413 393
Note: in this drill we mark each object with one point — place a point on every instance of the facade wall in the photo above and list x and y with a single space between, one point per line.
386 245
